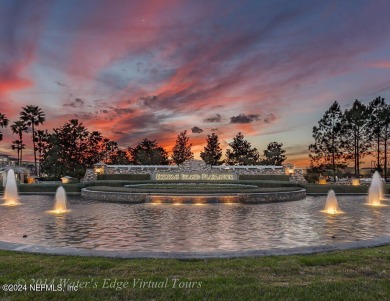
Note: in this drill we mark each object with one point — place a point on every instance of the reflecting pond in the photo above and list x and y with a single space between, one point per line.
181 228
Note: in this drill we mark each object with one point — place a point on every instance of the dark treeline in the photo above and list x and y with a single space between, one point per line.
72 148
348 137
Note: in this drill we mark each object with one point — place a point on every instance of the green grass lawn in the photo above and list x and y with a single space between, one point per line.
344 275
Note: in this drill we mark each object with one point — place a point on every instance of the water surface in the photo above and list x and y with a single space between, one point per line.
211 227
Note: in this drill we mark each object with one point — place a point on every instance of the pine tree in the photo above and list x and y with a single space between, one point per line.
182 149
328 145
355 134
212 151
379 131
386 137
242 152
274 154
148 152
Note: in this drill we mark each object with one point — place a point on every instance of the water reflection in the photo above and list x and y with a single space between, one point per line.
210 227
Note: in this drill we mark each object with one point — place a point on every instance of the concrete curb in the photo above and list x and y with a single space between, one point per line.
375 242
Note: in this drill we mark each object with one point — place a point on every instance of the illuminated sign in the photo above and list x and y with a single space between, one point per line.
194 176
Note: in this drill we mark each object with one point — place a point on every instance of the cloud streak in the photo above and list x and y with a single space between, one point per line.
196 130
216 118
242 118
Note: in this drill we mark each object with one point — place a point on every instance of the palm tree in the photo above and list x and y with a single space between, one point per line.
41 138
3 123
18 146
33 116
18 127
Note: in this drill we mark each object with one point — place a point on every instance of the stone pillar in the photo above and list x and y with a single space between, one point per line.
89 176
99 168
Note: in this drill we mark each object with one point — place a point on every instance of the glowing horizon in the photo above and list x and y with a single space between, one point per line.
153 69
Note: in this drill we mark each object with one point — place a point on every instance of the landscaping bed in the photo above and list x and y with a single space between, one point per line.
124 177
265 177
316 188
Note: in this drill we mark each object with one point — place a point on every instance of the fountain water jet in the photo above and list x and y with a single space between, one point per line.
331 205
60 202
11 195
375 192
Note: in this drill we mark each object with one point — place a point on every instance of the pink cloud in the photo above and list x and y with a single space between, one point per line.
380 64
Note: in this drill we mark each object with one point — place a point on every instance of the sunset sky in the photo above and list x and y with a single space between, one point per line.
151 69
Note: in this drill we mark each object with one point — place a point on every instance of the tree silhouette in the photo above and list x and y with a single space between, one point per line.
355 134
120 157
54 161
148 152
386 136
182 149
41 141
242 152
379 126
379 131
19 127
67 150
328 144
110 151
33 116
274 154
3 123
212 151
71 149
92 148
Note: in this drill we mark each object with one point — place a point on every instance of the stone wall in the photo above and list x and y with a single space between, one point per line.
131 198
297 177
192 199
194 167
252 170
259 198
189 167
245 198
138 169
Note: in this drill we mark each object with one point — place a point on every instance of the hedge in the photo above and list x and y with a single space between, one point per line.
316 188
265 177
124 177
36 187
191 191
119 183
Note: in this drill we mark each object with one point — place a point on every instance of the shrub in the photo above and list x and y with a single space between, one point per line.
265 177
124 177
37 187
188 190
315 188
312 177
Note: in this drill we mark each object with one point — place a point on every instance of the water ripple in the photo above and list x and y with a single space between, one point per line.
145 227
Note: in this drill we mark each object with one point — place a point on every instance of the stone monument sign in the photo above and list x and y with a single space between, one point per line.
194 170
